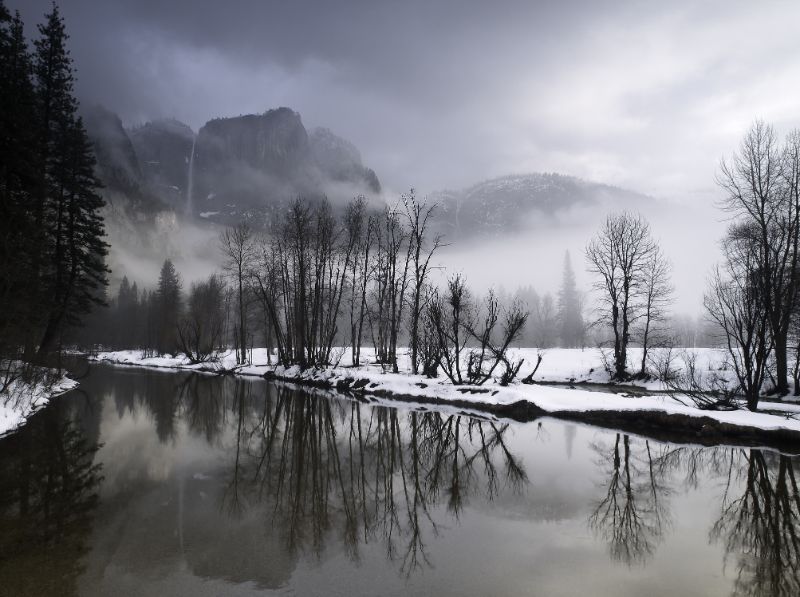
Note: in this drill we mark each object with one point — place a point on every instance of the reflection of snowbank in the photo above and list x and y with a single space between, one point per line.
21 399
558 365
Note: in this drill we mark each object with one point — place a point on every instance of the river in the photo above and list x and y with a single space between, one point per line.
144 482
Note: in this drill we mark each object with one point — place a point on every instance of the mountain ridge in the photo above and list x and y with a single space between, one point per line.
510 203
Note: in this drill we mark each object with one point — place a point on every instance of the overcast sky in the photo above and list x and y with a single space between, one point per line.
645 95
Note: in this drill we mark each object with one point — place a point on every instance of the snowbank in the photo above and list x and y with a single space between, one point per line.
558 365
21 399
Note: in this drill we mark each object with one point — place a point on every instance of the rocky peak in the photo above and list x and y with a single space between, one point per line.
340 160
117 163
270 142
164 148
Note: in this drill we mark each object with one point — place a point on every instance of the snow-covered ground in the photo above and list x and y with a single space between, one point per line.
21 400
558 365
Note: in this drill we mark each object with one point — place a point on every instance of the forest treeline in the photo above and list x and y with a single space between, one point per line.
369 279
323 282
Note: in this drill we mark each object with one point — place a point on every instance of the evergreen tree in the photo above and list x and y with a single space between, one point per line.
168 308
69 252
570 318
17 182
148 322
126 315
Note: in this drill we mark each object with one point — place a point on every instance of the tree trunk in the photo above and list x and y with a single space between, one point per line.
644 346
618 350
415 330
242 329
781 364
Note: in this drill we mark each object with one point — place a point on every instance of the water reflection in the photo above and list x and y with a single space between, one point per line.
325 468
759 520
759 525
633 512
245 483
49 484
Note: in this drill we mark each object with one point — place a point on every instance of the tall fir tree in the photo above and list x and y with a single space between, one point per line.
168 305
570 316
18 181
53 253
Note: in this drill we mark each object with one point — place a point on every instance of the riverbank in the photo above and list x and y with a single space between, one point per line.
564 395
23 398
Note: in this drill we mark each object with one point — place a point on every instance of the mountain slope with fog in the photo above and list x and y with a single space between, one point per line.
247 167
240 166
251 167
516 202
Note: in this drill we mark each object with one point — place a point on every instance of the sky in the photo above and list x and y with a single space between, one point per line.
644 95
441 94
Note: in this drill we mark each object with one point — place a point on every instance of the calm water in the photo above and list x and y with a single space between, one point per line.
147 483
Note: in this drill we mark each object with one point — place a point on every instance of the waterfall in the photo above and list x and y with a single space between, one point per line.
190 182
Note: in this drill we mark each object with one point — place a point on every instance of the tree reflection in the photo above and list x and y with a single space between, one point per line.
203 400
760 528
634 511
330 468
49 483
323 467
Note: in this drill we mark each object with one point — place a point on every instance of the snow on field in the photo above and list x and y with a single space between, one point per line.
558 364
572 366
21 400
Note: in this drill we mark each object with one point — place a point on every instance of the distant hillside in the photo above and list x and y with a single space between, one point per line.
511 203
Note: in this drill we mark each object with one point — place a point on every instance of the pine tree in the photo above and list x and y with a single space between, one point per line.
570 318
125 315
168 306
17 182
69 255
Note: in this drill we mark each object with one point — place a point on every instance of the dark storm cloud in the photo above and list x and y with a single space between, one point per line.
640 94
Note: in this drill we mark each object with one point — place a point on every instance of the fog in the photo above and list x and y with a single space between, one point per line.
647 97
689 233
139 252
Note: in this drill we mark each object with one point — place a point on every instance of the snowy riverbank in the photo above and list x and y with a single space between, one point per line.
588 402
21 399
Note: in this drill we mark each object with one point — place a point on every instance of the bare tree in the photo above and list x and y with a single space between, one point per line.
450 317
428 345
791 176
200 331
391 277
418 216
619 256
491 350
657 293
456 321
761 186
361 231
239 249
736 302
300 278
